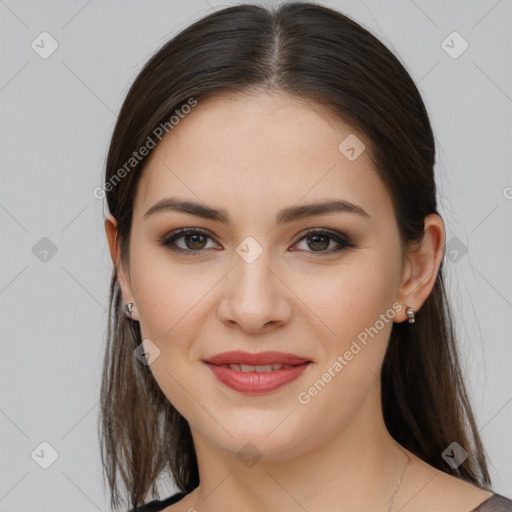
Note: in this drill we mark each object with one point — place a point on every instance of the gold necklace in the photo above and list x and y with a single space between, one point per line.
397 485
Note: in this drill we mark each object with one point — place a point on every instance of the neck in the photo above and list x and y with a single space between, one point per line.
357 470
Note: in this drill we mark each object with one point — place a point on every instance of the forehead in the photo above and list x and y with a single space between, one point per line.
253 151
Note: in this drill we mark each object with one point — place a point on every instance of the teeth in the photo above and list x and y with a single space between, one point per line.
259 368
249 368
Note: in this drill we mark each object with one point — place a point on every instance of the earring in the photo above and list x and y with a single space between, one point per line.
129 308
410 314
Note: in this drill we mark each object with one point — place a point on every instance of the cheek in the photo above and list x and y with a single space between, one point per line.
359 311
171 301
352 296
356 303
168 295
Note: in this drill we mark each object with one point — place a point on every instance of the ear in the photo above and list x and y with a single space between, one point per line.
115 252
422 262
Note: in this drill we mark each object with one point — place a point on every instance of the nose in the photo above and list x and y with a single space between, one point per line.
256 297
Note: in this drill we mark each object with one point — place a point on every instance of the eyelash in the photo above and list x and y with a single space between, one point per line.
169 241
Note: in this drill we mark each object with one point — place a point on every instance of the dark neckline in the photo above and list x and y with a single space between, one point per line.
493 500
486 501
156 505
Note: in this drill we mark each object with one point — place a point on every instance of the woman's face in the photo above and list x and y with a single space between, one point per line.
259 281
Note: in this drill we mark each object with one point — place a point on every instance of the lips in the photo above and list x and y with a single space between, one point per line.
256 359
258 373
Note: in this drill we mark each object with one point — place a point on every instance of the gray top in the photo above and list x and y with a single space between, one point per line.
496 503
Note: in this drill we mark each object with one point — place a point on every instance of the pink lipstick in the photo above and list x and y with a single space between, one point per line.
256 373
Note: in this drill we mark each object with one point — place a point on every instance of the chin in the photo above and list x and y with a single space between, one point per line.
275 437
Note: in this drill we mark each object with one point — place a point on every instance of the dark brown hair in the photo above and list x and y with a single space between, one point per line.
320 55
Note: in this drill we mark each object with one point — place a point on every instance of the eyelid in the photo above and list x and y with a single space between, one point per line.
169 238
324 231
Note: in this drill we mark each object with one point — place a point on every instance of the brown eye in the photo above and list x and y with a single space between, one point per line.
320 241
192 241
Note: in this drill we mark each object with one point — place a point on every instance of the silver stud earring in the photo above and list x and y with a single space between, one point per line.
129 308
410 314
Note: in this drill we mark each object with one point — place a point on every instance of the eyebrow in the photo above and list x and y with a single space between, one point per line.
283 216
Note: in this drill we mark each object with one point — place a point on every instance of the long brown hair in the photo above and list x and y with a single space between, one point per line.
320 55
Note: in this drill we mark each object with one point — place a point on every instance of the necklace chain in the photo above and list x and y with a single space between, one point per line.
397 485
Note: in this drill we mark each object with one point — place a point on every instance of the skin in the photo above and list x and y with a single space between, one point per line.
333 453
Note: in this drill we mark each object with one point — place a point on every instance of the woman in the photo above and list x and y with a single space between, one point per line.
280 336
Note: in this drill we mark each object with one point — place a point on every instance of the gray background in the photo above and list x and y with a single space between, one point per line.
57 116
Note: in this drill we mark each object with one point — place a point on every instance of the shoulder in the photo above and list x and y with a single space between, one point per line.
428 489
496 503
157 505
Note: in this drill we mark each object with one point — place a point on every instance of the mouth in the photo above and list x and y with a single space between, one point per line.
257 373
257 359
263 368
